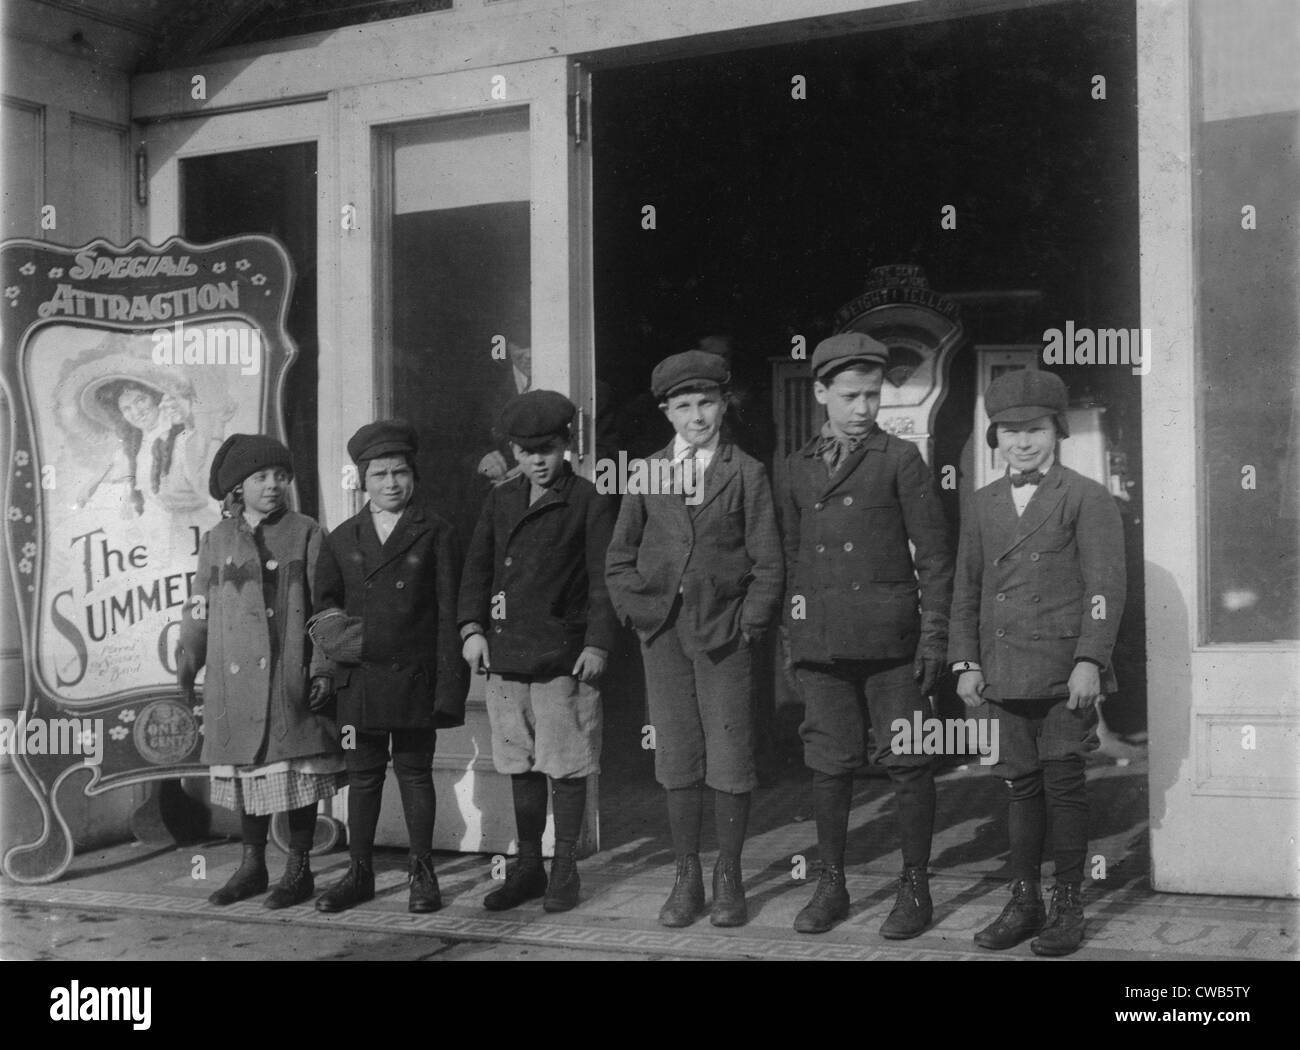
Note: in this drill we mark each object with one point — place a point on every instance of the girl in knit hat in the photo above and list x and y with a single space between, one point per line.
270 745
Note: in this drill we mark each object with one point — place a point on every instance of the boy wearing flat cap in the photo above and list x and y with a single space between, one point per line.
1037 601
865 651
697 572
268 748
386 613
535 618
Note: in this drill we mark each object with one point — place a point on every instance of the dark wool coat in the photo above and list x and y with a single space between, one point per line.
847 555
247 624
543 567
723 555
1027 586
411 675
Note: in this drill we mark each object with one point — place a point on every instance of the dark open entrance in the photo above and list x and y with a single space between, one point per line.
771 210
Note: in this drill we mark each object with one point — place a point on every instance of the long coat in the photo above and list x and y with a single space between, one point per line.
852 580
543 568
1025 603
723 555
411 675
247 624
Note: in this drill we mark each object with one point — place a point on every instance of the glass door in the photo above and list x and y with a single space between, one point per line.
459 288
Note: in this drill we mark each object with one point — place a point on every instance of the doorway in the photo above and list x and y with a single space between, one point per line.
771 209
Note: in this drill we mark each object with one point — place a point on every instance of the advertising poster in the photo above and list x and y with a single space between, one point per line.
125 368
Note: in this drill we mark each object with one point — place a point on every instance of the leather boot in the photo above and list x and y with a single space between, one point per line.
562 890
356 887
1063 931
1021 918
729 907
525 881
295 885
912 909
250 878
829 905
425 895
686 903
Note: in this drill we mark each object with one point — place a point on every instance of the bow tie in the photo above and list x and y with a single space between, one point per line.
1029 477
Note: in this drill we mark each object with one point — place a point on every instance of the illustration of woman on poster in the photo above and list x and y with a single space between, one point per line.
150 435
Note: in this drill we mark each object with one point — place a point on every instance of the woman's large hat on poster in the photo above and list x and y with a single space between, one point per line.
85 400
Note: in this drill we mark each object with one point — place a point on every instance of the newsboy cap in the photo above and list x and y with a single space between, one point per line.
692 368
384 437
242 455
538 414
1025 394
846 348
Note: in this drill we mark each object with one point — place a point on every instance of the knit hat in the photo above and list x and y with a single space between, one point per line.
241 455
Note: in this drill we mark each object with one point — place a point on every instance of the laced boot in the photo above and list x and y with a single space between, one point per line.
356 887
729 907
1063 931
829 905
425 895
525 881
296 884
250 878
686 903
562 890
912 910
1021 918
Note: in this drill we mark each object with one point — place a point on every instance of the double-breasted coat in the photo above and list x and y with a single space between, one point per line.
534 576
246 622
1034 593
723 554
852 581
404 591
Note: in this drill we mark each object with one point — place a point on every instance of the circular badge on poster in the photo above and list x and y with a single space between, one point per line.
165 732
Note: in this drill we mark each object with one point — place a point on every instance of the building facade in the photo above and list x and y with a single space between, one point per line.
487 189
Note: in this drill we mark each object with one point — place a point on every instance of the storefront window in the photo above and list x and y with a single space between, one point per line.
1248 270
458 296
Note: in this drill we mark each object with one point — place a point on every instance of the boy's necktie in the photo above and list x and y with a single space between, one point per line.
687 466
1029 477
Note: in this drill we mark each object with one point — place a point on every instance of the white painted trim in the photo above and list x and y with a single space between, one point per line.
479 37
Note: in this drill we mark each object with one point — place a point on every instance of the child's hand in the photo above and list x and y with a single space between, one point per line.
475 653
926 672
493 466
970 687
590 665
1085 686
322 691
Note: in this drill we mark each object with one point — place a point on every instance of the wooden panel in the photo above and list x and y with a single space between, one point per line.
22 148
101 177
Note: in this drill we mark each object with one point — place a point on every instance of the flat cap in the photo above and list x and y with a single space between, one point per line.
384 437
1025 394
845 348
692 368
536 415
242 455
